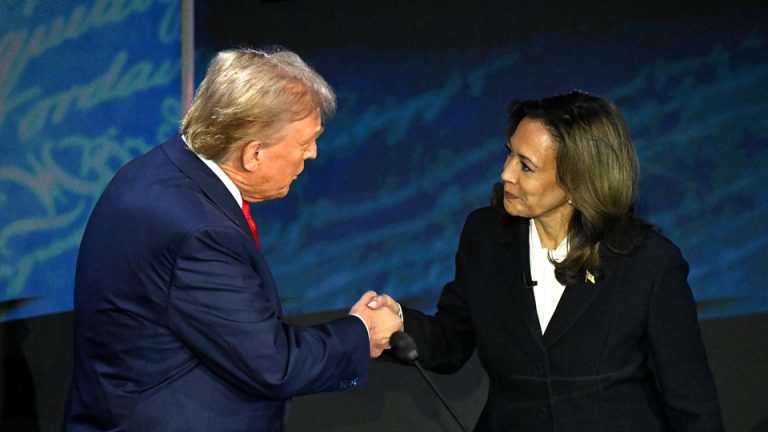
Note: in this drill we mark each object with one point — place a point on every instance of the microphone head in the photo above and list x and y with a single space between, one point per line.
403 347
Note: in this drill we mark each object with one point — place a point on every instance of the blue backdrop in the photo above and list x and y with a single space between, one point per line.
85 86
416 144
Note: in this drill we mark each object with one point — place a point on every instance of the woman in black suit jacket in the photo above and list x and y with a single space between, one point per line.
580 312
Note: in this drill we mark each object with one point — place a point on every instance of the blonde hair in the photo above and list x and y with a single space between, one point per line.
251 94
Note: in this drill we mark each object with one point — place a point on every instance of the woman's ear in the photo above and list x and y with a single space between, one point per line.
251 155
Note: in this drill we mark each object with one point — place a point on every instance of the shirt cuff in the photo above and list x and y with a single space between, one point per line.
366 325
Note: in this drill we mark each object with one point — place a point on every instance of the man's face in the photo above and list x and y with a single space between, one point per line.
280 163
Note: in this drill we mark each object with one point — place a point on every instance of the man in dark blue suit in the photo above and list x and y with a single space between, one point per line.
178 324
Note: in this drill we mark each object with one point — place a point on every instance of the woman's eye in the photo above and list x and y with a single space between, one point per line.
525 168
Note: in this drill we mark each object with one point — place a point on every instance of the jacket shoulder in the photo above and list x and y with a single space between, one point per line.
657 244
492 219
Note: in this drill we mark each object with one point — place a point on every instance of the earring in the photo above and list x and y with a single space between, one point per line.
570 202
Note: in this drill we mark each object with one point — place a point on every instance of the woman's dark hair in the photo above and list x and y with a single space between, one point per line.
597 167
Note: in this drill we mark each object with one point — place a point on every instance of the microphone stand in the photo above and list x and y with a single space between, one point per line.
405 350
440 396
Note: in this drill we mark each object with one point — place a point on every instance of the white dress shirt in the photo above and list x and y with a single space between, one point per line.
231 187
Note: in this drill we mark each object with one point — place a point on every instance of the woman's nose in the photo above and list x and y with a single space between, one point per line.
508 173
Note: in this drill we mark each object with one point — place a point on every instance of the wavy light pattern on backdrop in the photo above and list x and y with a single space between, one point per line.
416 145
85 86
418 141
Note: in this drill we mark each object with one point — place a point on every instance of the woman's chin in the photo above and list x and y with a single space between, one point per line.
512 209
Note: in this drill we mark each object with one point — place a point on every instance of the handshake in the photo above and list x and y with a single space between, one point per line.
382 315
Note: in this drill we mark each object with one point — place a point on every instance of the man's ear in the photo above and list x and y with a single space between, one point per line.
251 155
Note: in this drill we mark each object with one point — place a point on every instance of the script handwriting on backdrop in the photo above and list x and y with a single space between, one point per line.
84 87
417 158
415 145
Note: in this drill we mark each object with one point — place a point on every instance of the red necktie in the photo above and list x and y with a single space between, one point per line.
251 223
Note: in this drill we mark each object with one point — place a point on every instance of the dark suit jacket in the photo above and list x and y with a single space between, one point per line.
178 325
622 354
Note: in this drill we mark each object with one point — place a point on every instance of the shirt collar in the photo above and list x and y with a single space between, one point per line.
558 254
231 187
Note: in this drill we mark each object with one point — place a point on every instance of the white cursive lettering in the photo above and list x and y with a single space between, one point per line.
114 83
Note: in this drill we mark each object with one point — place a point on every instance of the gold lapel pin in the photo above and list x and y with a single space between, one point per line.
589 277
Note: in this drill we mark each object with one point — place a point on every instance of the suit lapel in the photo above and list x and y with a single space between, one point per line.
577 298
212 187
513 256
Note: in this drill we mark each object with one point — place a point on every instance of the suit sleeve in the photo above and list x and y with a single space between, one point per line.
446 340
217 306
685 380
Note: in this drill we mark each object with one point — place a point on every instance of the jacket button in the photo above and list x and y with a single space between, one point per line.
538 370
544 413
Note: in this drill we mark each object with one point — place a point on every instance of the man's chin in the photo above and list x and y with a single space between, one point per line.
275 195
282 193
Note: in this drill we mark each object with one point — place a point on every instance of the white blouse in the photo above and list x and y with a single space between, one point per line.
547 290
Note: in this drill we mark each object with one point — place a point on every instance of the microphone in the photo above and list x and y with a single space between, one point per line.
528 281
404 348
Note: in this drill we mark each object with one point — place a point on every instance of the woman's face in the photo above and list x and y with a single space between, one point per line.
531 189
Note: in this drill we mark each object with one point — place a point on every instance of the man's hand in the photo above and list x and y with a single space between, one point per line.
385 301
381 321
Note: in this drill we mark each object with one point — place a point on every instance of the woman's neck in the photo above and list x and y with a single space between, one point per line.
553 229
